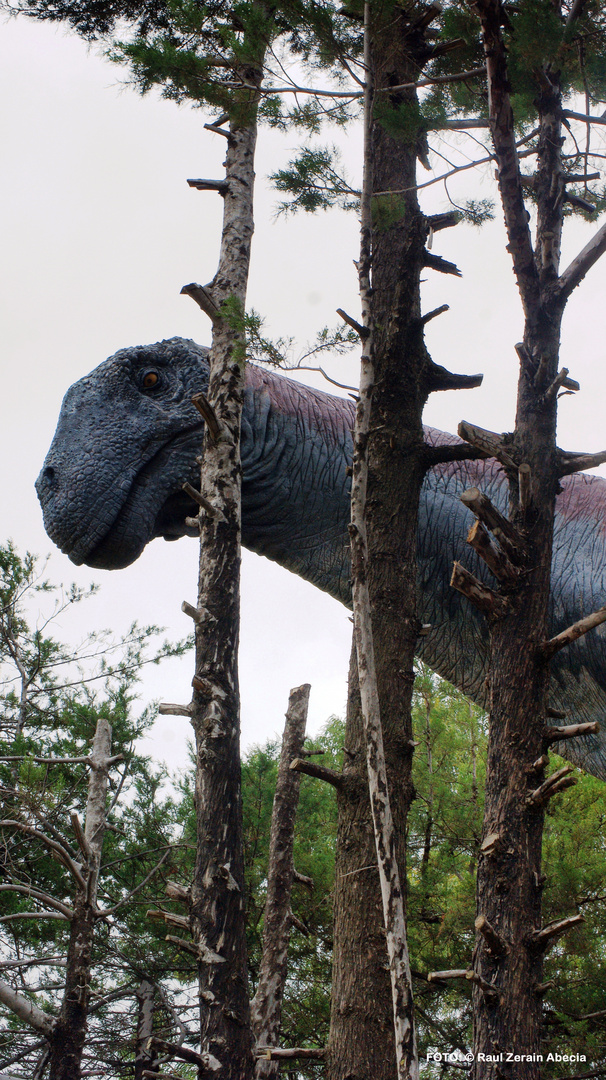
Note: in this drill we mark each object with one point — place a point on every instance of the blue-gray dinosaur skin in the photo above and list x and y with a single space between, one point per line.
112 482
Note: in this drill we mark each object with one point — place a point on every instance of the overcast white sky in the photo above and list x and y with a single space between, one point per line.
100 231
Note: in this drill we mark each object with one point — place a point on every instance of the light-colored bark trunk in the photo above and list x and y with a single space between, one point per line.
217 896
266 1006
145 1055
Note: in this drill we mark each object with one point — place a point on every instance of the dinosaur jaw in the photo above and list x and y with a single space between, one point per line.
114 552
133 511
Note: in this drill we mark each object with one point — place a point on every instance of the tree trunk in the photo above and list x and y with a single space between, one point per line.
217 895
508 955
396 467
266 1006
69 1032
145 1055
361 1044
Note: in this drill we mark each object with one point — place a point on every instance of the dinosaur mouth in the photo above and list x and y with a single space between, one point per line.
150 508
170 523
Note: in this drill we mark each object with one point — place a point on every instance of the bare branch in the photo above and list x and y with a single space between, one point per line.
310 768
26 1010
80 837
204 299
205 1061
204 407
479 539
575 272
551 647
494 941
141 885
542 939
441 379
275 1053
36 894
571 731
58 850
555 783
571 463
488 602
489 441
583 117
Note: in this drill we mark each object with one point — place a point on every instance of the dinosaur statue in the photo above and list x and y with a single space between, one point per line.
127 439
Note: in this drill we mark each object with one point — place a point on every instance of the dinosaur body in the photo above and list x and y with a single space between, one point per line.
128 437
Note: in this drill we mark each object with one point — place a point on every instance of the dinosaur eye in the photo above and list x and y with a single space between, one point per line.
150 379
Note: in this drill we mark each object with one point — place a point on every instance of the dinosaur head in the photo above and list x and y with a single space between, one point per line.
126 440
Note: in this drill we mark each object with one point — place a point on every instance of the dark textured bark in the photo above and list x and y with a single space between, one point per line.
361 1045
509 870
361 1023
217 895
69 1032
266 1006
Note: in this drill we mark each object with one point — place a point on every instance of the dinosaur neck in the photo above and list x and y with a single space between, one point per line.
303 437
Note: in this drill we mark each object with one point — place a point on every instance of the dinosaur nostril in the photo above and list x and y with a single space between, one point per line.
49 474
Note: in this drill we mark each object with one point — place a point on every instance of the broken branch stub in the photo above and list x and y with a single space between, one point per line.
496 560
501 528
266 1006
488 602
490 441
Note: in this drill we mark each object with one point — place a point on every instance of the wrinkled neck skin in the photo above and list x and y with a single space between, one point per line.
112 482
296 447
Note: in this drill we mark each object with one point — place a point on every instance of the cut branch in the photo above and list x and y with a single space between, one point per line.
197 496
550 648
440 453
275 1053
437 222
204 299
571 463
508 536
488 602
443 266
321 772
494 941
489 441
210 185
479 539
209 415
542 939
169 709
362 331
441 379
555 783
571 731
175 891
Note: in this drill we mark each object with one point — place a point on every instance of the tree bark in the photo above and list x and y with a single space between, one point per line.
266 1006
69 1032
509 882
361 1043
145 1055
217 895
362 1046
